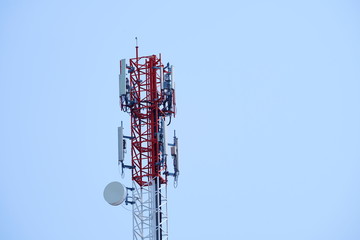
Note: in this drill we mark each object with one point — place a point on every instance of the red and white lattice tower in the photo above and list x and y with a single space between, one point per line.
147 93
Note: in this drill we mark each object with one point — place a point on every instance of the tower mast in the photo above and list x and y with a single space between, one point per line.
148 95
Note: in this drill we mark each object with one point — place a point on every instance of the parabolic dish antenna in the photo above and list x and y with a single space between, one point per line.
114 193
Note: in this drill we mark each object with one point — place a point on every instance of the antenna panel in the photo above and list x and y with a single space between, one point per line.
122 77
120 144
172 77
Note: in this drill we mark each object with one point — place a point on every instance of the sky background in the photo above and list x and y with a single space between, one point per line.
268 120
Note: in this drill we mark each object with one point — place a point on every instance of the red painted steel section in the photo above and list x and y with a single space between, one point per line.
145 101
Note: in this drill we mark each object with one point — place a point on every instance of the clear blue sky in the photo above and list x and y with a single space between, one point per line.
268 121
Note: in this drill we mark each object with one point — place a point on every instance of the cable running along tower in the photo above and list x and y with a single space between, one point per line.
147 93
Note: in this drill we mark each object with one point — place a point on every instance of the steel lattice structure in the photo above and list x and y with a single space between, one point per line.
148 95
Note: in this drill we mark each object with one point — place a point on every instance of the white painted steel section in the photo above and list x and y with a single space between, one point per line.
162 211
142 212
145 211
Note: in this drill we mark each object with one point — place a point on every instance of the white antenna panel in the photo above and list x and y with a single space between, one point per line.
172 77
163 127
162 77
120 143
122 77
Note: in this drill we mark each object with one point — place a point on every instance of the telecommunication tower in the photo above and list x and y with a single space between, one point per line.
147 93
